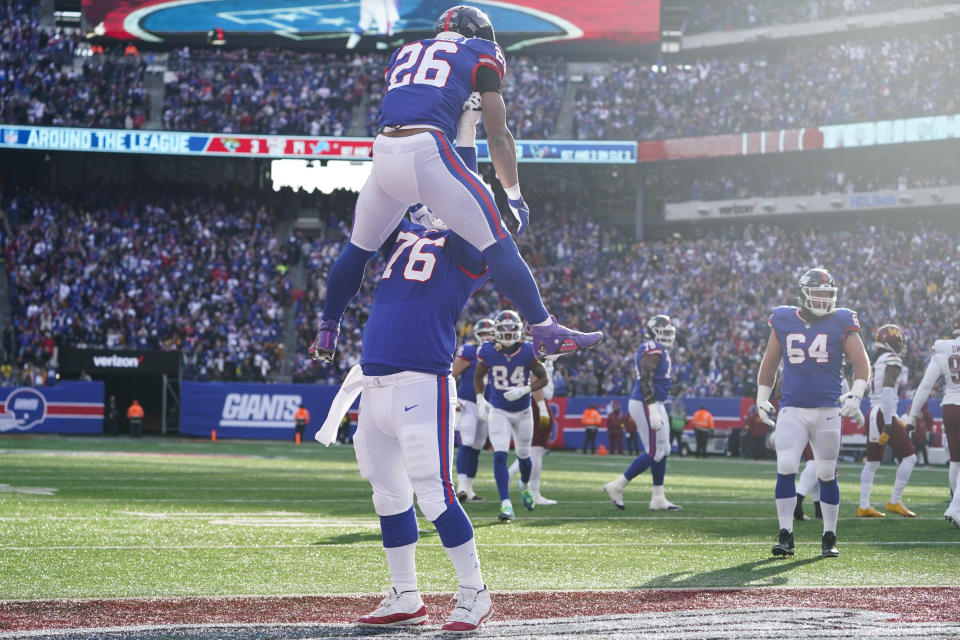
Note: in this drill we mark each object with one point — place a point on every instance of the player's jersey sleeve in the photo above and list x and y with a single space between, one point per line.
850 320
490 55
467 352
483 353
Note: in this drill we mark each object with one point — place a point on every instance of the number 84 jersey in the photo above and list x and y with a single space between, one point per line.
812 355
505 370
429 80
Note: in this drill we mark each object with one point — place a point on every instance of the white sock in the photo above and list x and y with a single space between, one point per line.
620 482
514 469
952 474
657 493
462 482
785 508
505 503
536 462
866 483
468 485
955 503
830 514
814 494
402 563
903 477
466 564
807 480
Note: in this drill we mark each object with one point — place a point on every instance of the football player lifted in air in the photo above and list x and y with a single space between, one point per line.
811 340
884 426
944 361
646 406
507 363
471 426
427 83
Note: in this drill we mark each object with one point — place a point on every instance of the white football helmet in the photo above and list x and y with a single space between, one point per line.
421 215
483 330
507 328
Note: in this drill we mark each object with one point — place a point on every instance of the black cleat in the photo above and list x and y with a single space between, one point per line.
798 513
784 546
818 512
828 545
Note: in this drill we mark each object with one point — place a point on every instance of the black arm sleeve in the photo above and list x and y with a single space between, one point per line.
646 385
488 80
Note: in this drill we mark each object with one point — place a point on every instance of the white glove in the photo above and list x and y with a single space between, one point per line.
483 407
909 420
765 408
515 393
467 126
657 419
859 418
850 401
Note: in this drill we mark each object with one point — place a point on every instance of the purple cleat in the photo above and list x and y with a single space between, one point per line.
557 339
325 344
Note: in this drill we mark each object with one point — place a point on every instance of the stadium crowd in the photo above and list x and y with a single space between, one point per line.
202 272
728 15
43 83
853 80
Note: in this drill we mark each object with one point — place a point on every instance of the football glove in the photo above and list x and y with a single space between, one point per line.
657 419
467 125
765 410
909 420
850 401
521 212
483 408
544 414
859 418
515 393
884 438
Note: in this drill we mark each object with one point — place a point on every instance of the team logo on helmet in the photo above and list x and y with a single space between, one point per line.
661 329
890 337
467 21
818 292
483 330
508 328
25 408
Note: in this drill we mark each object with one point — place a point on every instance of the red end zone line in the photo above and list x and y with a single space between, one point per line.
903 604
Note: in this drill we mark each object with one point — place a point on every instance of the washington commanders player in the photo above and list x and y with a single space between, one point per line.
884 426
944 361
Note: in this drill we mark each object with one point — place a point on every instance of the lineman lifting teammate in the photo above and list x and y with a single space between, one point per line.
883 426
428 82
471 426
507 363
652 389
811 341
944 361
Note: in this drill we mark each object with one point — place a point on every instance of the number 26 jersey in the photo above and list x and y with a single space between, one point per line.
812 355
427 81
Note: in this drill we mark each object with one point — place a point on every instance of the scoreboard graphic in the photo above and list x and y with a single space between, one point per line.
390 22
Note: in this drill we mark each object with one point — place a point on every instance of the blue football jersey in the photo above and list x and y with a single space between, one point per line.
465 390
506 370
812 355
662 375
429 80
421 293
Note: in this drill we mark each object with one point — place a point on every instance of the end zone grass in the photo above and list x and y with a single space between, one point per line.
163 517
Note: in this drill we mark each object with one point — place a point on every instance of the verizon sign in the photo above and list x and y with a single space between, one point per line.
117 362
106 362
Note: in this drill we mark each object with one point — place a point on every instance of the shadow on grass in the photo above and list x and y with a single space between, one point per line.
756 573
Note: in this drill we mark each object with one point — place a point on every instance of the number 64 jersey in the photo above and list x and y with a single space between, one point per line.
812 355
429 80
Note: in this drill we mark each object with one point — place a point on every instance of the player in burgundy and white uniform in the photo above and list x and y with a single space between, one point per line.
429 84
883 425
811 341
945 362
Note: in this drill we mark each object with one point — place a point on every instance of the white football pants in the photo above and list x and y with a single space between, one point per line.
404 441
471 427
821 426
654 442
424 168
519 424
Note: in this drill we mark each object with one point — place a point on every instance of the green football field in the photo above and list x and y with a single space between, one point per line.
90 517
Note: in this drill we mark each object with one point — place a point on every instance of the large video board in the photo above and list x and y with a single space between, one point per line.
382 24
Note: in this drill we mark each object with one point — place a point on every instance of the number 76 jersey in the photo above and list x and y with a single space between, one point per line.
812 355
429 80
